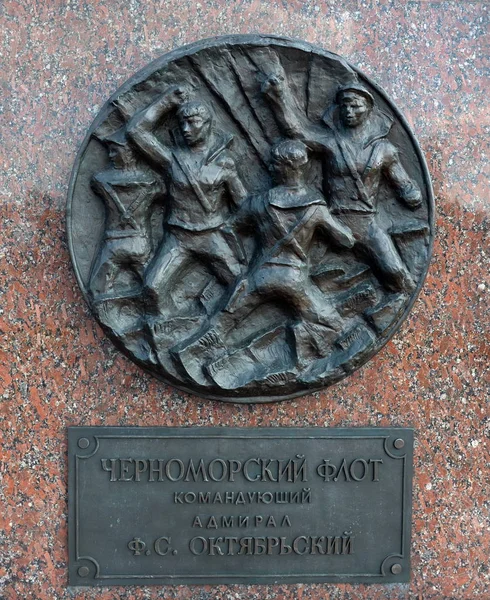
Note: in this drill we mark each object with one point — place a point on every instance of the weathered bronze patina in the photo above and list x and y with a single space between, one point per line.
250 218
222 505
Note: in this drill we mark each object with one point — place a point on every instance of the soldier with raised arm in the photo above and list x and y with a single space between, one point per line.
203 190
357 156
128 193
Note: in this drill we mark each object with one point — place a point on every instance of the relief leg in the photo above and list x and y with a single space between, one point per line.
210 345
168 263
220 258
394 274
103 274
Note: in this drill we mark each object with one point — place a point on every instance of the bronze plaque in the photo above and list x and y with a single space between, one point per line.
250 218
224 505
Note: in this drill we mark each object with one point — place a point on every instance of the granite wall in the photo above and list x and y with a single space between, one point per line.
60 61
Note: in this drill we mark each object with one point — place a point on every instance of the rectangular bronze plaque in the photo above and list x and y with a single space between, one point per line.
223 505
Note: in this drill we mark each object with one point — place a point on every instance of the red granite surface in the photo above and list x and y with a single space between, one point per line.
60 61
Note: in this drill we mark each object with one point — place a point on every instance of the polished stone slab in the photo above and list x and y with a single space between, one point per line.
61 60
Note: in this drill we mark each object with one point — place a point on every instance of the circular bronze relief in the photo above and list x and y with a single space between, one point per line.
250 218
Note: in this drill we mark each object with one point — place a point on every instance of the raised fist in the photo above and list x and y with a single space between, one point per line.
178 94
412 197
274 86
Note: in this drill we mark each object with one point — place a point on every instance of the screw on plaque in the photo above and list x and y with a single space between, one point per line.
399 443
83 443
396 569
136 545
83 571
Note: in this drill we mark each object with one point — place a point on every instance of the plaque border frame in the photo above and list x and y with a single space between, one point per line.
385 576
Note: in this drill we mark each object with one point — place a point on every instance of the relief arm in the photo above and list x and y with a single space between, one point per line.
140 128
332 228
103 189
239 223
285 110
407 190
100 186
234 185
97 185
276 90
244 219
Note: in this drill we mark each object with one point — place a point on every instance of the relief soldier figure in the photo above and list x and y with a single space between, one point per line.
267 269
356 156
128 193
203 189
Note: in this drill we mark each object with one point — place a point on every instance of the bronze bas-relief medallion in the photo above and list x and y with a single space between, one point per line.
250 218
